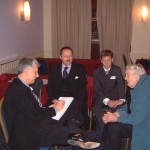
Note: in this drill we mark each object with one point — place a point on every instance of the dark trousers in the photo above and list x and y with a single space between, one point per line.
56 134
99 109
74 111
113 133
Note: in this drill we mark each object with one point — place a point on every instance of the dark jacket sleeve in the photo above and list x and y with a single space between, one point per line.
98 89
21 98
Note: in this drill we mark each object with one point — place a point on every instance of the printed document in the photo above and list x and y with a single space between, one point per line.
68 101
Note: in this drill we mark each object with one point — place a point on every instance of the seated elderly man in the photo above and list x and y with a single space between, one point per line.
30 126
137 124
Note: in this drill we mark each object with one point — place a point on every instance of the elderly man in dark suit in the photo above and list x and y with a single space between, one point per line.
30 125
68 79
109 86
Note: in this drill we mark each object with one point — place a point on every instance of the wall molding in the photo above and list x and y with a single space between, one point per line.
10 65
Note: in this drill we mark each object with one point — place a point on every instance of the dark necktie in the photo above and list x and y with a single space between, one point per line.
65 73
35 96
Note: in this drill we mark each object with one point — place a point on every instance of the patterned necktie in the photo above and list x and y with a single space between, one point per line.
107 72
65 73
35 96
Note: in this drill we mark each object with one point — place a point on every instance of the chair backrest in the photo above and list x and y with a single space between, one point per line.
125 60
2 121
43 69
131 61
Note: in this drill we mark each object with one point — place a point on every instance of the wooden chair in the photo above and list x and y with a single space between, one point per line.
3 130
128 144
90 99
2 121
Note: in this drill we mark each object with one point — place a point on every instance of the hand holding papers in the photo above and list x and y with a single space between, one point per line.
59 105
68 101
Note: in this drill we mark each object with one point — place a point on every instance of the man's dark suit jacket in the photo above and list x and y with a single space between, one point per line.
110 86
25 120
76 81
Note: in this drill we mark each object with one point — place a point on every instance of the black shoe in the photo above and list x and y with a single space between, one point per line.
81 141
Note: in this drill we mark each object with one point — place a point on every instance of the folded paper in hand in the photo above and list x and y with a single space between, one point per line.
68 101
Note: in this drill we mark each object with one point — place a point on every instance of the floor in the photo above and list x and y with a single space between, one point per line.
95 135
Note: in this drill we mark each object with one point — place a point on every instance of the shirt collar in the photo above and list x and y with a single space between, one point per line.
107 69
63 66
25 83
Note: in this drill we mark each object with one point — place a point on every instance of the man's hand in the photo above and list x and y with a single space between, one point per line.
116 114
117 102
114 103
54 101
110 117
110 103
59 105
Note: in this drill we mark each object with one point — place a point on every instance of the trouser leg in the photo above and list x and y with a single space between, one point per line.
73 112
98 111
57 134
54 135
116 131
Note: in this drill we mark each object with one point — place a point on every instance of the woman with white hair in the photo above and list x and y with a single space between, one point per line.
137 124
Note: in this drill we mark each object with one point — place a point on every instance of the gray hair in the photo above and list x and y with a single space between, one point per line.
138 68
26 63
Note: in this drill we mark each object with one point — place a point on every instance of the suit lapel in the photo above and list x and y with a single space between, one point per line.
59 73
72 72
104 77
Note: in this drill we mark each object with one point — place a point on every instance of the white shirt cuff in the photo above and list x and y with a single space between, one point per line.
106 100
123 100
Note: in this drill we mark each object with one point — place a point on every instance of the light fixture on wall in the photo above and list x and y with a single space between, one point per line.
25 14
144 14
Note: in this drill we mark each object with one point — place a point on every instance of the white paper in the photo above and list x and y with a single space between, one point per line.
68 101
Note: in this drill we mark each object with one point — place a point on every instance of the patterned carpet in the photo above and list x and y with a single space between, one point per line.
94 135
3 144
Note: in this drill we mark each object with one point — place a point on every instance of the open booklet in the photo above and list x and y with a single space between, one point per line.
68 101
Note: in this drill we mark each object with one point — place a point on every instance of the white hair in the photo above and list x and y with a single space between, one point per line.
138 68
26 63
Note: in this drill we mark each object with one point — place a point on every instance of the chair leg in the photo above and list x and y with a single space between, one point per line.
127 143
91 115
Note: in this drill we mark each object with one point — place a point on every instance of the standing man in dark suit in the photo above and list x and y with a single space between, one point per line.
30 126
109 86
68 79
